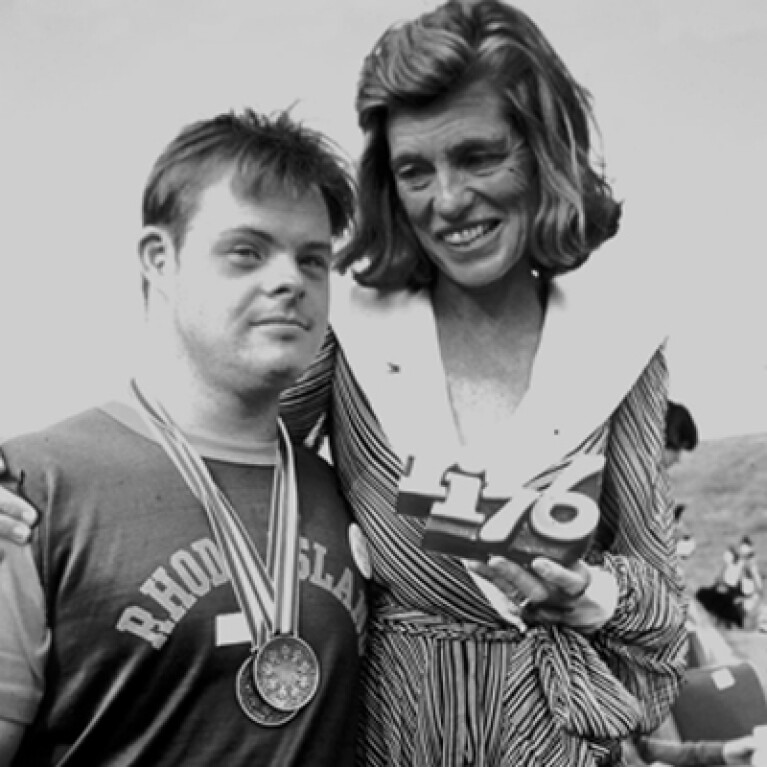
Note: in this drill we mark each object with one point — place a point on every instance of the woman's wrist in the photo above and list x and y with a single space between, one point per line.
597 604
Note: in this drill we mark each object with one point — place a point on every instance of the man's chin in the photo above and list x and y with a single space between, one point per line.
279 377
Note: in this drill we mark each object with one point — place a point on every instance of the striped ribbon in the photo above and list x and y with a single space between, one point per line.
267 593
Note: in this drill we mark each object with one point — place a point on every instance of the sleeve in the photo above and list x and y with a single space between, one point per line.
645 642
24 635
681 754
304 407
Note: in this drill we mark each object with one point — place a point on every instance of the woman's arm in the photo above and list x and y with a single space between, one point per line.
645 641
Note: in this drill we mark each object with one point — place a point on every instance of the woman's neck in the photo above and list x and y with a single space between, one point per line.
514 302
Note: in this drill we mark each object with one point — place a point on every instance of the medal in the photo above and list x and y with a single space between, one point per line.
251 702
286 672
282 674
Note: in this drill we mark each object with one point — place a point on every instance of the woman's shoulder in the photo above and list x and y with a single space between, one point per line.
615 302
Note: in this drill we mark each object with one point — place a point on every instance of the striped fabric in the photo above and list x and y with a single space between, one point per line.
447 682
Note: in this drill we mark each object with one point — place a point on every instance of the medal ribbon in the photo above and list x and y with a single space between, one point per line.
266 593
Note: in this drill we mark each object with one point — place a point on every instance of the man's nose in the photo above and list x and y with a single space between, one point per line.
285 276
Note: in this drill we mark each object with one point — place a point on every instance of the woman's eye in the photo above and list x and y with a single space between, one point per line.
414 176
483 163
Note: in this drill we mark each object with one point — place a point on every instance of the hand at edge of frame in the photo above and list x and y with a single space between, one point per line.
17 516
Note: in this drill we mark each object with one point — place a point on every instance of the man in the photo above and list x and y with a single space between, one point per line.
186 600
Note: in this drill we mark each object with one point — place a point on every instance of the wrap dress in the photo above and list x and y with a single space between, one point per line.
447 680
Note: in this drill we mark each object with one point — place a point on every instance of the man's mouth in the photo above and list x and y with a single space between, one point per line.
470 235
284 320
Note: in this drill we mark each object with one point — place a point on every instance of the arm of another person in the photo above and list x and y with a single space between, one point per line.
24 644
11 734
680 753
645 641
696 753
304 407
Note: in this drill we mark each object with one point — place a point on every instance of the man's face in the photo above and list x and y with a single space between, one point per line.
248 292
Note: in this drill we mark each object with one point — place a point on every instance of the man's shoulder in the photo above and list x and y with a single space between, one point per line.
310 465
87 432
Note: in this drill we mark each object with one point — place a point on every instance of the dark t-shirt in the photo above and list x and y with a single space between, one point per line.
146 640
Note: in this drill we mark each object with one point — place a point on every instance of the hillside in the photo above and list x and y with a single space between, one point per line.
724 484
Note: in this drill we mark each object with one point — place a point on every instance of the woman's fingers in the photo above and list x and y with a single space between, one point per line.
17 517
512 579
564 583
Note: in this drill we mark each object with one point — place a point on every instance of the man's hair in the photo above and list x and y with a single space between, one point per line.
260 151
459 43
681 432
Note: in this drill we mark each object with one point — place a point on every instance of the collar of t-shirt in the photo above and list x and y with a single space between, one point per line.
248 452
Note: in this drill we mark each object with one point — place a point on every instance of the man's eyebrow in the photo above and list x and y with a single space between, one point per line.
322 245
268 237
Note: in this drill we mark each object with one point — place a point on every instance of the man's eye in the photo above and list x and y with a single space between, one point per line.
315 263
244 254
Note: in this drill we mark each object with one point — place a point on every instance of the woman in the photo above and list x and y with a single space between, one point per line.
465 341
465 349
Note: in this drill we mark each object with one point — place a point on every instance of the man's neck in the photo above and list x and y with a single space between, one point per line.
205 412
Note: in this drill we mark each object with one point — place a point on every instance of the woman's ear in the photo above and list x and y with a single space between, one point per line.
157 256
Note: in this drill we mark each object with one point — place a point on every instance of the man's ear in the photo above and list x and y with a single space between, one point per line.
157 256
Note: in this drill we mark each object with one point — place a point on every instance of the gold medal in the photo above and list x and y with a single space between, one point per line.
251 702
286 672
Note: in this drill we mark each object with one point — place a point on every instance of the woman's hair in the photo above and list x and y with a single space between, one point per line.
459 43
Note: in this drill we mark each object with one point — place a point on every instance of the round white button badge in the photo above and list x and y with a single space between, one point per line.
360 550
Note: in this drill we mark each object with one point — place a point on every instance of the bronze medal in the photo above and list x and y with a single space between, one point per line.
251 702
286 672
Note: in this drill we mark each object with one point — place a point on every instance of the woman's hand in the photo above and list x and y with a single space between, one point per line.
581 596
17 517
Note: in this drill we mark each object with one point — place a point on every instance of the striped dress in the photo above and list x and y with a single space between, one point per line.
447 681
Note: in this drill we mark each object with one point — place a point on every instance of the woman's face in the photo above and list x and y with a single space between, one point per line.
465 182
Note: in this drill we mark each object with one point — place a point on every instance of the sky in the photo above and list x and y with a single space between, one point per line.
91 91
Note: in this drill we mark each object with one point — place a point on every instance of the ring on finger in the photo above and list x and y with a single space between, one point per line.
523 604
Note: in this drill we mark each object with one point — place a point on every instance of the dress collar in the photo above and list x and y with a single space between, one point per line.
594 345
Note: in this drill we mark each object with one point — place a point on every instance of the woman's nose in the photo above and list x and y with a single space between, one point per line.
453 193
